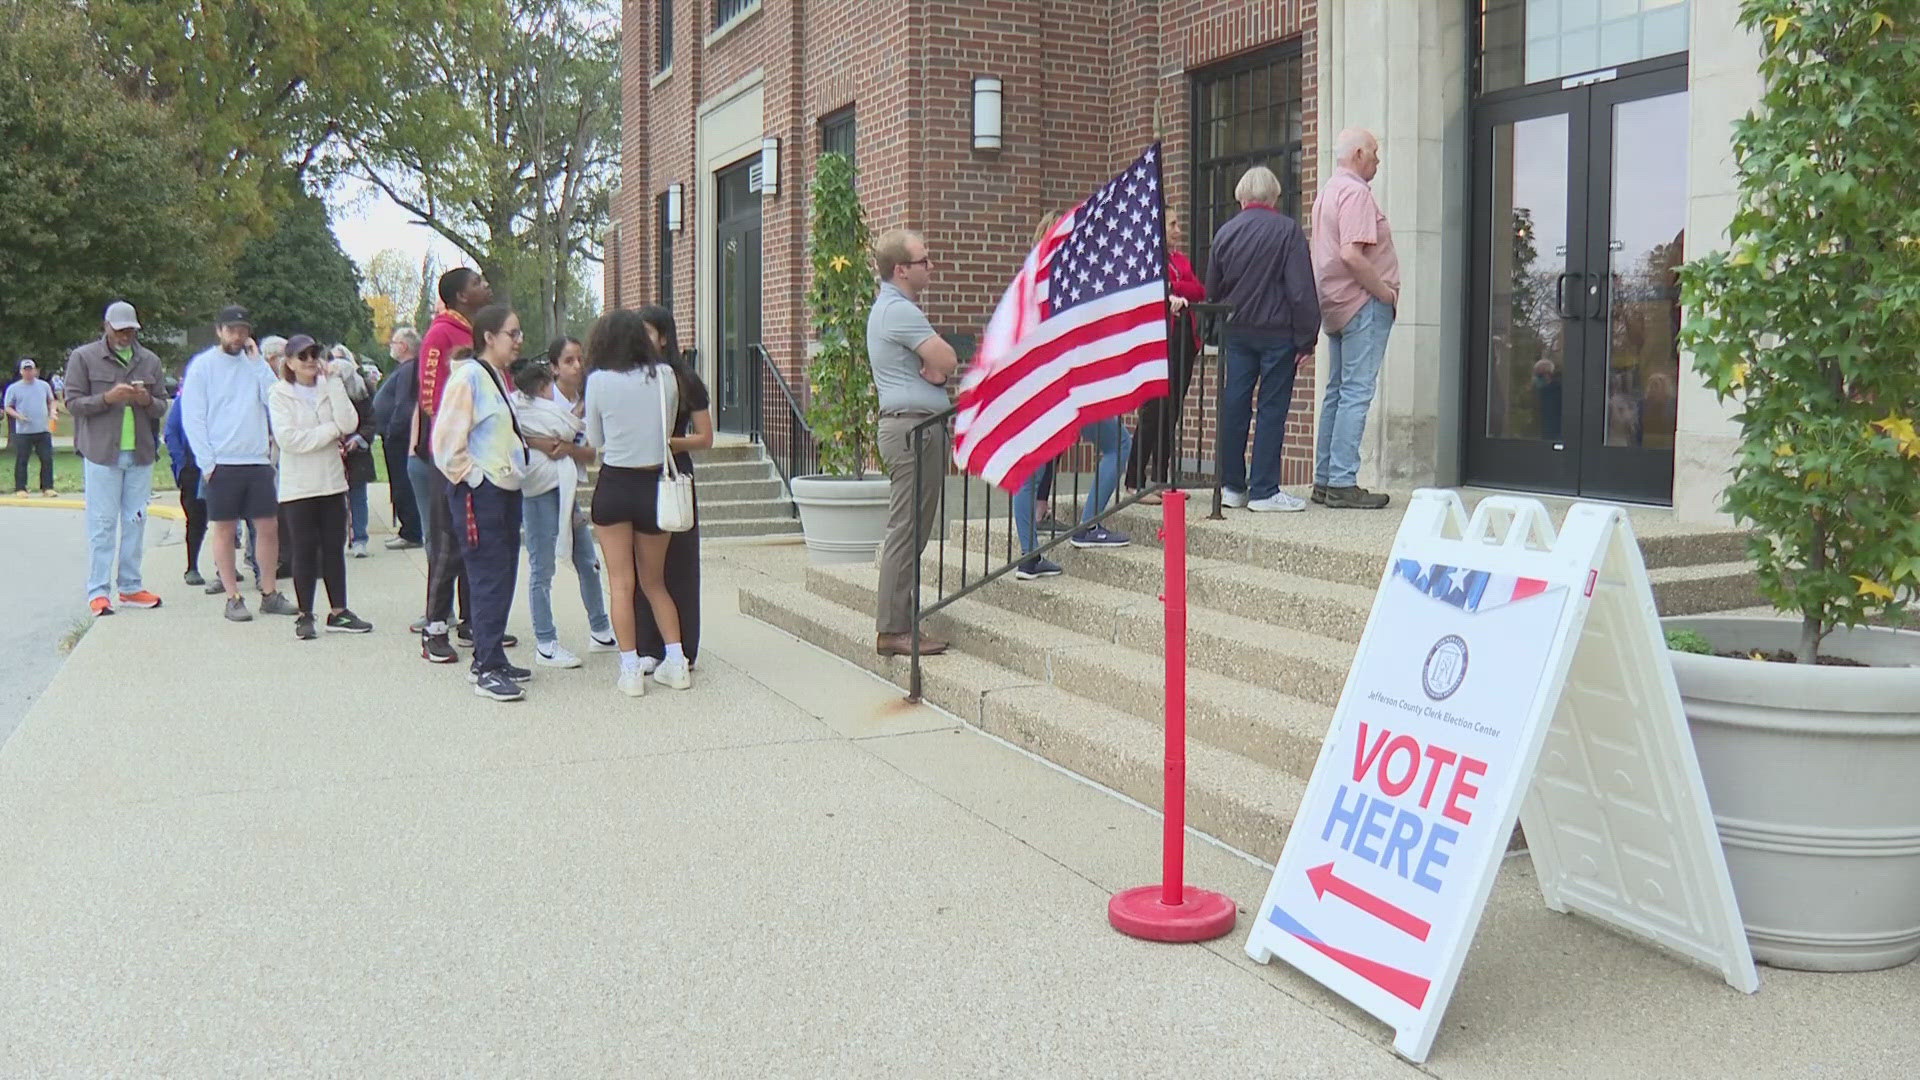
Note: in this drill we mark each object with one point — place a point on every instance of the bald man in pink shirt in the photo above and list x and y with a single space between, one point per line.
1358 276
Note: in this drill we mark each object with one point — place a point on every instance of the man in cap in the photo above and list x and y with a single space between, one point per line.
114 391
225 401
29 404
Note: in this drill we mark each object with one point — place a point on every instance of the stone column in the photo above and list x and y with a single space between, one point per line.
1400 71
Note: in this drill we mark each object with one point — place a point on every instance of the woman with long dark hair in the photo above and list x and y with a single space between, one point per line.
692 430
632 392
477 446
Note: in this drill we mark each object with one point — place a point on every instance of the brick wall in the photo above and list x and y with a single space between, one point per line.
1086 84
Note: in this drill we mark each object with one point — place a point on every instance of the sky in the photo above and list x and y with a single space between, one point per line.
367 222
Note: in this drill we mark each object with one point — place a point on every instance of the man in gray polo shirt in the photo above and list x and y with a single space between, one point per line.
911 366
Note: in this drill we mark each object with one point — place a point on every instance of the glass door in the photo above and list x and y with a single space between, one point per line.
1581 200
736 295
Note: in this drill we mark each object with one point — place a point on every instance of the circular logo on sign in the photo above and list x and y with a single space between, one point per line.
1446 667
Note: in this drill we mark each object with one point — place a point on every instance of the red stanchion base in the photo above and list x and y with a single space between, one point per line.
1200 916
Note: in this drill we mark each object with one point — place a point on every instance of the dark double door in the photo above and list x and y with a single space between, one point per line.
736 295
1580 211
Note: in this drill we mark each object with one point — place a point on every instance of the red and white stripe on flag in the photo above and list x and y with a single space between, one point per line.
1081 334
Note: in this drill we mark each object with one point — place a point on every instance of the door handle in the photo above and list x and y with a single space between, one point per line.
1598 294
1560 294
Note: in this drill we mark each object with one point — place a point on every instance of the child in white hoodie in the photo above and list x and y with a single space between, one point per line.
552 521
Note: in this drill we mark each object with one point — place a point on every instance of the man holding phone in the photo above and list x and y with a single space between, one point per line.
114 395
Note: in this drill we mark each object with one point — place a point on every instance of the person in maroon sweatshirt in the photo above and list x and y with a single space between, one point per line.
463 291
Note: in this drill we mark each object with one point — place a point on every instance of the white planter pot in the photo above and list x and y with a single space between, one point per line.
843 519
1814 778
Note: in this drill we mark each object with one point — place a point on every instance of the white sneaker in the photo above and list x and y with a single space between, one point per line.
674 673
633 683
555 655
358 549
1232 498
595 644
1279 502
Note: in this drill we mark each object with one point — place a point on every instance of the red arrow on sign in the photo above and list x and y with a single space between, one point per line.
1325 881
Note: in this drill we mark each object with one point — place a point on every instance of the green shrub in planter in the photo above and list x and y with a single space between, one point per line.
1689 641
843 409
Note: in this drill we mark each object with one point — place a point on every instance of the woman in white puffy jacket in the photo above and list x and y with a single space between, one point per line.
312 416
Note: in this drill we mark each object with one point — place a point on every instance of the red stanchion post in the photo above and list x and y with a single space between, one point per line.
1174 910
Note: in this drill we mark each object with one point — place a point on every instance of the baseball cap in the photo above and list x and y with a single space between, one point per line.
298 344
120 316
231 314
27 362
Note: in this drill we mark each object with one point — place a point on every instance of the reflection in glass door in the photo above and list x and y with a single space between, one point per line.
1581 195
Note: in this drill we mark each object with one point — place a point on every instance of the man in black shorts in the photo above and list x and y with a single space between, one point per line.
224 405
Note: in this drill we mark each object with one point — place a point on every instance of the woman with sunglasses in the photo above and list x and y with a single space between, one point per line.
311 417
478 447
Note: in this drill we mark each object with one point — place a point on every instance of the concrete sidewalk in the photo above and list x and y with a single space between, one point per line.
228 853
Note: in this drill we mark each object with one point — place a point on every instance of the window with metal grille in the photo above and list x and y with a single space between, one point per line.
1246 112
663 36
836 133
665 289
725 11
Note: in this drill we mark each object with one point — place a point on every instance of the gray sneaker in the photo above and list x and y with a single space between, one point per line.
276 603
237 610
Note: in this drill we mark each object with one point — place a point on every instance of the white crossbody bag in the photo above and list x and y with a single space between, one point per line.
673 510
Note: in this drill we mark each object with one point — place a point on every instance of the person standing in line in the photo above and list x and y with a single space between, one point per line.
556 460
225 402
1359 281
1259 264
393 406
464 292
692 430
1155 444
478 448
186 479
313 417
113 394
631 392
31 406
358 451
911 367
272 348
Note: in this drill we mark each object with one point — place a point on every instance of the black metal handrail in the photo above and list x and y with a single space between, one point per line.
786 436
1180 444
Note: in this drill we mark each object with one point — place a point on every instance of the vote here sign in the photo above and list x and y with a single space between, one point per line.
1411 803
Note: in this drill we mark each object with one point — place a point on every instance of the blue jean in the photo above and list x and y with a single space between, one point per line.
541 516
116 504
1114 442
1353 370
357 512
417 470
1271 368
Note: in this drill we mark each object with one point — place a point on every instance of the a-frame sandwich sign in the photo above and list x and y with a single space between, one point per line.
1504 672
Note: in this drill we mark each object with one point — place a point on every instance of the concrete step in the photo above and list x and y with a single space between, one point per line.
1698 589
760 526
765 489
723 471
1228 796
1293 662
714 510
728 453
1258 723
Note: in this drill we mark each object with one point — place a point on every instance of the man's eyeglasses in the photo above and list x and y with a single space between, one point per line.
922 261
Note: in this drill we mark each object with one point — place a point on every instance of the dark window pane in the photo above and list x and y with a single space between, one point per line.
664 32
665 284
837 134
1246 111
724 11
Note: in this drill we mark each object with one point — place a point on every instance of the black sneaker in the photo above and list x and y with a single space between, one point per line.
463 633
1036 566
1320 494
496 685
346 622
517 674
1355 498
1052 524
1099 536
193 578
303 628
435 650
237 610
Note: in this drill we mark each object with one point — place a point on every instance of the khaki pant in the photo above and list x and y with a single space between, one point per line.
898 552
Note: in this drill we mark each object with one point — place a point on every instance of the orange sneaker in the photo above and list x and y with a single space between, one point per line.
141 599
100 606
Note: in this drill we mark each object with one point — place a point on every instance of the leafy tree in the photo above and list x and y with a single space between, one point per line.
392 289
843 409
97 200
1811 318
296 279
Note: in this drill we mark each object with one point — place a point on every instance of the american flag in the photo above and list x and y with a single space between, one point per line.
1468 590
1080 335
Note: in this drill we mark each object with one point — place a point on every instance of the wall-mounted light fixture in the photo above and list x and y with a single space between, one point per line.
770 166
676 207
986 112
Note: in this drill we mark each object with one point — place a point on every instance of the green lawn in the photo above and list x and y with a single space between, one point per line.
68 475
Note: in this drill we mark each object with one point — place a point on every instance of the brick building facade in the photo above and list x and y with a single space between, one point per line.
1085 85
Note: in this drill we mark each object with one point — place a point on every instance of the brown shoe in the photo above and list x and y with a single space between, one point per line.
1355 498
902 645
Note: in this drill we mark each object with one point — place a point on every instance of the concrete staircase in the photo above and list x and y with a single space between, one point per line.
1071 668
740 493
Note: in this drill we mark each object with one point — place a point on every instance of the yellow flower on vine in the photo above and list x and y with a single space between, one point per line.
839 262
1781 24
1870 587
1737 378
1900 429
1785 449
1881 21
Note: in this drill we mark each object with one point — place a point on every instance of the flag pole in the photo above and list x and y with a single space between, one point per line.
1174 910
